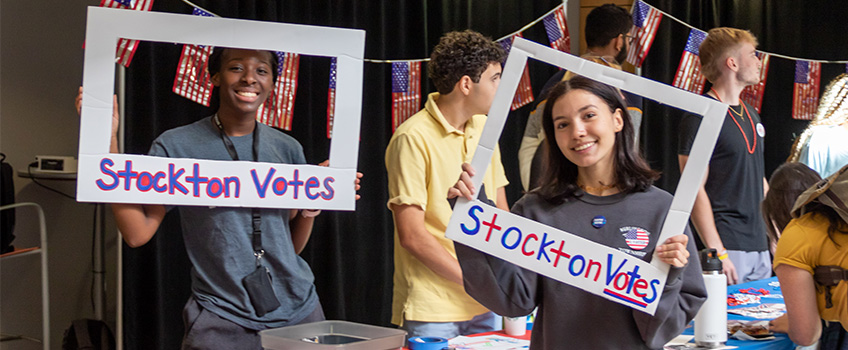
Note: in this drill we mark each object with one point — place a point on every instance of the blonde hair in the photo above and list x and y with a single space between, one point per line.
717 46
833 110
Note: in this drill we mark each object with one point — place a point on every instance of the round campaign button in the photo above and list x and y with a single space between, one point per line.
599 221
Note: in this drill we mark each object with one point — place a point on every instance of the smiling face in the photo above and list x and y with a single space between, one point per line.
585 128
245 80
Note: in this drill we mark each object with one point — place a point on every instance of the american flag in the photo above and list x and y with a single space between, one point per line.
636 238
126 47
192 80
557 30
331 98
805 99
688 76
277 110
753 94
524 93
646 20
406 94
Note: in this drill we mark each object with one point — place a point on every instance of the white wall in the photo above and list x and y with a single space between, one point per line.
40 70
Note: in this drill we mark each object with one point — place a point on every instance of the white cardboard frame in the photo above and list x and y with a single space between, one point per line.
681 206
105 26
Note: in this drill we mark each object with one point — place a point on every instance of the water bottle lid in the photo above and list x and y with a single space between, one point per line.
710 260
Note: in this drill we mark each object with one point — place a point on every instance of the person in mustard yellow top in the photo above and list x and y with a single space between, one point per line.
819 237
424 158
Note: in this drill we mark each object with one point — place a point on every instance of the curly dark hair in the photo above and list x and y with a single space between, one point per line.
459 54
559 180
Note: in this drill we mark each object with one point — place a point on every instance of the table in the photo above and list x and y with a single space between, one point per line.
781 340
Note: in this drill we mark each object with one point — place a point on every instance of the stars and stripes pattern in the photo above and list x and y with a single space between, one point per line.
753 94
636 238
557 29
406 91
278 109
192 80
524 93
805 98
331 98
688 76
646 20
126 47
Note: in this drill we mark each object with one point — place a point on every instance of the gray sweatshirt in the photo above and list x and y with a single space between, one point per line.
568 317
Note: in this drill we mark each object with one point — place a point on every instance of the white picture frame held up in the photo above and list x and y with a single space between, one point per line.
617 276
228 183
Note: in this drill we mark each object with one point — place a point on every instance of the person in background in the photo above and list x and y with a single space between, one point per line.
788 181
594 171
824 144
423 160
725 212
222 313
810 262
607 40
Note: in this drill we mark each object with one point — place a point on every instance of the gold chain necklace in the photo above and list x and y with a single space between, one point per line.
599 189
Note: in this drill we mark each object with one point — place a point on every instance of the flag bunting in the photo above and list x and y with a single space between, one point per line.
278 109
126 47
805 98
688 76
557 29
646 20
406 91
524 93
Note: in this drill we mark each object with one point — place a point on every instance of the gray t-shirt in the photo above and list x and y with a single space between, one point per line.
218 239
568 315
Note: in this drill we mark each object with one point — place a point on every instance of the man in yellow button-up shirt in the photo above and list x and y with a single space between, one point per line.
424 160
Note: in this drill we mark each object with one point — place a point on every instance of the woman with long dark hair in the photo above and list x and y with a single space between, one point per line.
598 187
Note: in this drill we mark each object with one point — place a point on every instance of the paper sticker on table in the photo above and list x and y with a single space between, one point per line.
712 111
124 178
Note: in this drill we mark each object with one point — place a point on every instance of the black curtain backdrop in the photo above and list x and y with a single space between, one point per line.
808 29
351 253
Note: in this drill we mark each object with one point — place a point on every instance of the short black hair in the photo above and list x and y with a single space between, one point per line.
213 66
559 179
459 54
214 62
606 22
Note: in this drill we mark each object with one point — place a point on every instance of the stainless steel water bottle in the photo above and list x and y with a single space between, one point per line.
711 320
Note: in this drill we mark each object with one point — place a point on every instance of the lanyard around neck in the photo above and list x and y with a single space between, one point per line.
258 252
753 129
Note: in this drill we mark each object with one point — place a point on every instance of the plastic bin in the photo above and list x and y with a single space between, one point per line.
333 335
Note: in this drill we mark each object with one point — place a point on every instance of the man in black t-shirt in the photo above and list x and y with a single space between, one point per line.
726 212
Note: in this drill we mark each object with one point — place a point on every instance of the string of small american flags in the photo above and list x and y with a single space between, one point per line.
646 19
192 78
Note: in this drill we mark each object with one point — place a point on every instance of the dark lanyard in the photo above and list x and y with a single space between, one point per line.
257 218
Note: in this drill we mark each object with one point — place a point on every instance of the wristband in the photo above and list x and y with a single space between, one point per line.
723 256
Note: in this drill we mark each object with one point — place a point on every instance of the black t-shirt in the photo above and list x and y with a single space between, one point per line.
735 179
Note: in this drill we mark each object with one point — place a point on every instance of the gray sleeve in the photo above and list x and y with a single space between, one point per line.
682 297
500 286
534 121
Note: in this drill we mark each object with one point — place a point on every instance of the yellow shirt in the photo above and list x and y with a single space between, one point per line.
424 159
804 244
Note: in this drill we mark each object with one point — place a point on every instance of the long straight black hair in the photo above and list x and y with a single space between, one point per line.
559 180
